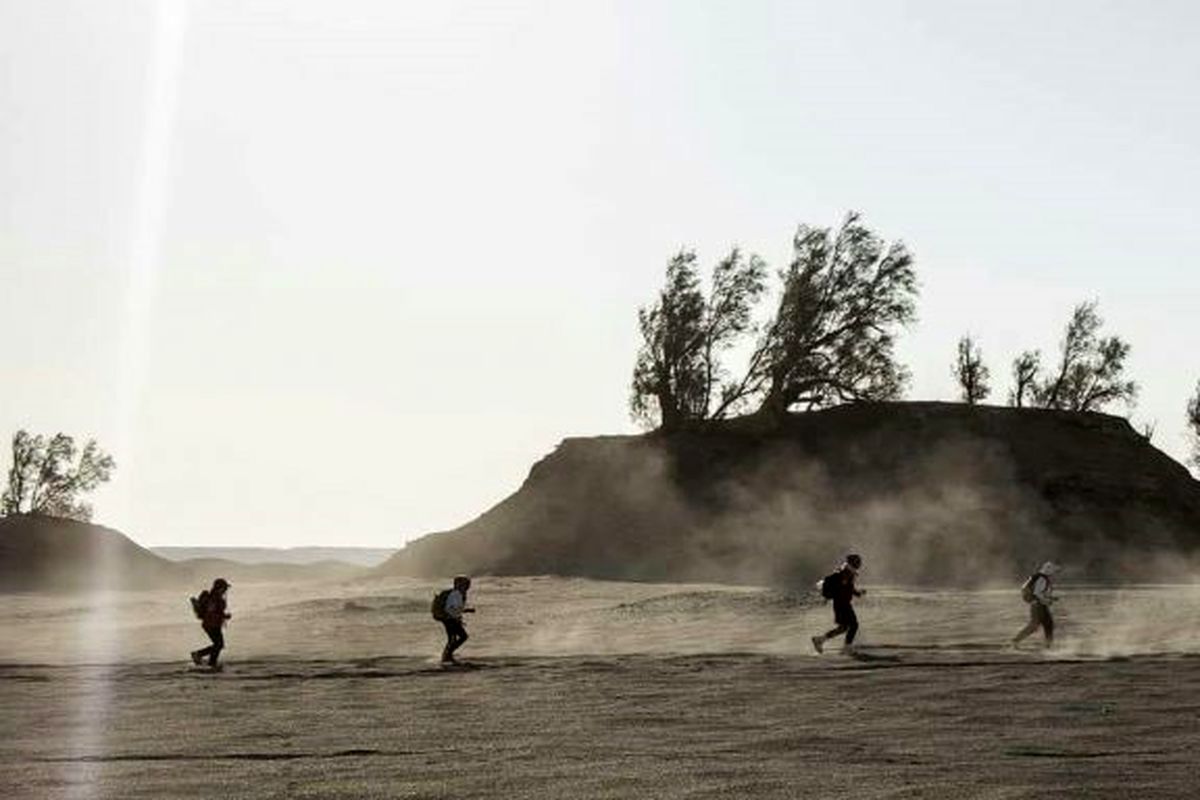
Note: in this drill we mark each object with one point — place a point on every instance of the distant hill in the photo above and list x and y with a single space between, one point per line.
203 570
50 554
933 493
359 556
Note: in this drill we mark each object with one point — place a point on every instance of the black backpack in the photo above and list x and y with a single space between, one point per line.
830 585
438 609
200 604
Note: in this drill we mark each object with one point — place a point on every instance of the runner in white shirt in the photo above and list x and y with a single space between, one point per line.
455 607
1038 591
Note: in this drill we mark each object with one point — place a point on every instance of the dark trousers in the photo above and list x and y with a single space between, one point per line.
456 636
213 651
1039 617
846 621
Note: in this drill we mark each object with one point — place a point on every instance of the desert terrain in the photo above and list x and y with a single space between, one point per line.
583 688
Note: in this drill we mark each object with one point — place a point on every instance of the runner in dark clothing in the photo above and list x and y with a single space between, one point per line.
843 605
213 615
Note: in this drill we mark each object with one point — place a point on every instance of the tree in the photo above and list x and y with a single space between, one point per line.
970 371
46 477
1091 370
832 337
678 375
737 286
1193 421
668 373
1026 369
27 455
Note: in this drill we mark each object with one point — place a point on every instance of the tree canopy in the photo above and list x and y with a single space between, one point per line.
828 336
48 476
679 376
831 338
1193 422
1089 375
1025 371
971 373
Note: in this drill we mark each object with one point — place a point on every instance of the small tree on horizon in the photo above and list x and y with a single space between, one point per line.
1091 370
1193 422
970 372
1090 373
47 478
1026 368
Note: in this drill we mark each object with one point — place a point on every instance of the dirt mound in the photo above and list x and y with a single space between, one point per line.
61 555
930 492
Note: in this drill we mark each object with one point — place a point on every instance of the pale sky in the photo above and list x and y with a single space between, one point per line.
340 272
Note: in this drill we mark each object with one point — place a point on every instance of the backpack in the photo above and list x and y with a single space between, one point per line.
200 604
438 609
1027 587
830 585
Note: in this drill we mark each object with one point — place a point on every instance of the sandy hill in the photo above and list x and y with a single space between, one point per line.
62 555
46 553
929 492
204 570
360 556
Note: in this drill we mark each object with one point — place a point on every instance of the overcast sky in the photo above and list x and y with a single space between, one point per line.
340 272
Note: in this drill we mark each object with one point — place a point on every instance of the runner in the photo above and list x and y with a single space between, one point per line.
448 608
1038 592
839 587
210 608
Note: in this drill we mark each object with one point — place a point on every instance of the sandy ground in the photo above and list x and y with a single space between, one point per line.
589 689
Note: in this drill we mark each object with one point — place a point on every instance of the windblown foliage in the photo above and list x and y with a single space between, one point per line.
830 340
1193 422
1026 369
47 478
970 372
1091 370
678 376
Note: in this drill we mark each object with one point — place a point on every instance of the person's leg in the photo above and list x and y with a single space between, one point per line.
460 637
833 633
843 617
1034 622
456 635
448 650
850 620
218 644
198 656
1047 624
839 620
